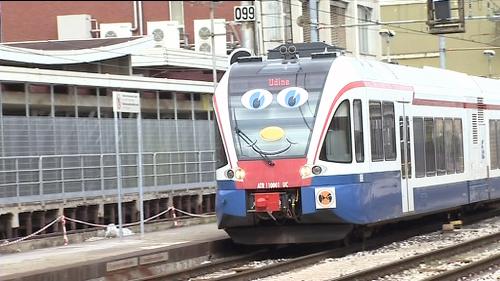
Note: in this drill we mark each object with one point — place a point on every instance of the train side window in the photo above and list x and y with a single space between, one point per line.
430 152
439 144
419 145
358 130
377 144
338 142
458 145
220 152
493 144
402 144
389 133
448 146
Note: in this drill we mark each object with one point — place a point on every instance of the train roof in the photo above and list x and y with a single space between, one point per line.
431 82
427 82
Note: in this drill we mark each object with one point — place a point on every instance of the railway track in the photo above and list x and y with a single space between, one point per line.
270 262
473 268
434 261
287 259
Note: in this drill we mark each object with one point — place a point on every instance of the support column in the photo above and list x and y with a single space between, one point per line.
163 204
212 202
313 15
134 210
356 29
178 204
39 218
187 204
100 213
206 204
155 206
93 211
147 209
70 213
14 220
82 214
51 215
111 213
442 52
199 203
247 31
29 223
60 212
6 225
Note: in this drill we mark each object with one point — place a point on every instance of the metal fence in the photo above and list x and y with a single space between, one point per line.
61 177
57 158
40 135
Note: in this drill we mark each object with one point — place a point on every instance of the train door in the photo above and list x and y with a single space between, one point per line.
479 165
406 159
478 187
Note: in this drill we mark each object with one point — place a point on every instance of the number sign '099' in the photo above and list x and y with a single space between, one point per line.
244 13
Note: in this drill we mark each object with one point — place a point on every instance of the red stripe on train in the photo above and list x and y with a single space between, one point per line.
284 174
350 86
222 132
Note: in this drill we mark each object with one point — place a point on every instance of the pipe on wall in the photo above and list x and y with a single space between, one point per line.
134 28
138 18
313 14
140 15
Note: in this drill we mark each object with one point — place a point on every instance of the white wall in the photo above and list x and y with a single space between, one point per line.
374 41
276 34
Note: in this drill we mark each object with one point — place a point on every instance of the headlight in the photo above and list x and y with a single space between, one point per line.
305 171
239 174
229 174
317 170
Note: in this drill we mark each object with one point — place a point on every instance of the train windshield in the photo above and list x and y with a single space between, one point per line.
273 106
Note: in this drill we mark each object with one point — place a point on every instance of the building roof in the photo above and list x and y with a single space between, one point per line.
35 75
61 45
73 51
143 50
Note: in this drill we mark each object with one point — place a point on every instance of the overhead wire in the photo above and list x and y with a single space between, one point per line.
398 26
390 25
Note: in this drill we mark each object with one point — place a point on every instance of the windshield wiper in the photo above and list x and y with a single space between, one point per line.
248 141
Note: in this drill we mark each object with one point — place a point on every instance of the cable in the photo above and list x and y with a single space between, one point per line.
390 25
414 31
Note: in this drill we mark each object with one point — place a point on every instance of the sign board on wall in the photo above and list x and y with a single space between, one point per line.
126 102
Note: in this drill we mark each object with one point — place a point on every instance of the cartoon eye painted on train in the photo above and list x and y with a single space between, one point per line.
256 99
292 97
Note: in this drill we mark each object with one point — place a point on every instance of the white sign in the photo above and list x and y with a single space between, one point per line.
244 13
126 102
325 198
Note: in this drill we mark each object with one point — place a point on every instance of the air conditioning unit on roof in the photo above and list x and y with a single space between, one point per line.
165 33
202 36
110 30
74 27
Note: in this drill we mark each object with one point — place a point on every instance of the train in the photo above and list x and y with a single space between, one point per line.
312 148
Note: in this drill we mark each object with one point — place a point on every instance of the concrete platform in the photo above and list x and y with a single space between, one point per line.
111 258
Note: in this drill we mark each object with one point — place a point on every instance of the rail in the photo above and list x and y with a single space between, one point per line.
45 178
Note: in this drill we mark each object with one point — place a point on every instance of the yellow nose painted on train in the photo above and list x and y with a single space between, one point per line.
272 133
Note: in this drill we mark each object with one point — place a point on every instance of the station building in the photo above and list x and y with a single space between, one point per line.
57 139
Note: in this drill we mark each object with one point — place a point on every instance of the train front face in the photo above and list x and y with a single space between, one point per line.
266 113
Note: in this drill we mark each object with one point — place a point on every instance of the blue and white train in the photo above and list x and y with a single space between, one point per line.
314 147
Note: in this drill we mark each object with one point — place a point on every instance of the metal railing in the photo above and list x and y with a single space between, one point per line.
44 178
